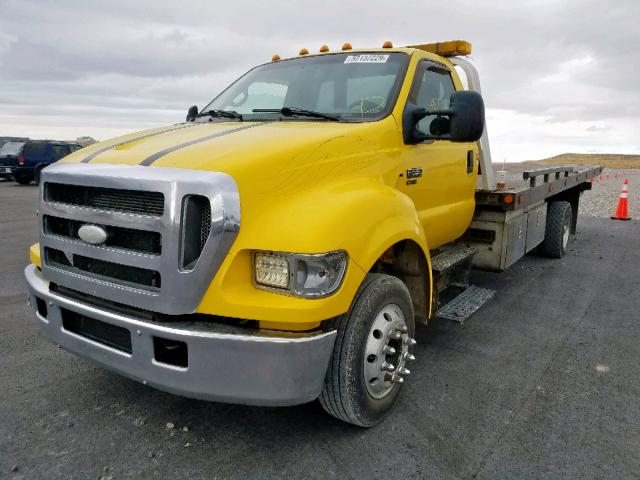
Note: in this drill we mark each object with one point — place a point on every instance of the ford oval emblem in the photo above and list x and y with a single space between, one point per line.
93 234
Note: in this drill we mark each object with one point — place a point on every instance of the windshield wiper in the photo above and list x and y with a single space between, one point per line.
297 112
220 114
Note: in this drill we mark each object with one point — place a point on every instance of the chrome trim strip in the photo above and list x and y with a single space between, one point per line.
108 254
181 291
149 160
260 368
105 217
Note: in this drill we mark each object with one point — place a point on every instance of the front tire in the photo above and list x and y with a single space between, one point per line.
368 366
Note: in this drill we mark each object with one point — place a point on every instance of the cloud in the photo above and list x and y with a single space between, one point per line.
560 74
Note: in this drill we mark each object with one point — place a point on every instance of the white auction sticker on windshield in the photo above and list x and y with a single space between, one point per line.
366 59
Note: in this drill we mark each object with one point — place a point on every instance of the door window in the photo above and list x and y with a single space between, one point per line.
432 91
59 151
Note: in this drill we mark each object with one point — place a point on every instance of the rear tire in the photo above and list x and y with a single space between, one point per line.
23 179
36 175
558 229
381 315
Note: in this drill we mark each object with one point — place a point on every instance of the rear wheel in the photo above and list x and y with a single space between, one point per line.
558 229
373 342
23 179
36 176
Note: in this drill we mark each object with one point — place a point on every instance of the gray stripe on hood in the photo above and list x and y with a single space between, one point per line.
149 160
93 155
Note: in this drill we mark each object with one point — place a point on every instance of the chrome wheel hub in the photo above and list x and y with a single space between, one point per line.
387 352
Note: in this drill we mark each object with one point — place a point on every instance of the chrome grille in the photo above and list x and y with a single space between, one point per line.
117 237
109 199
125 274
142 261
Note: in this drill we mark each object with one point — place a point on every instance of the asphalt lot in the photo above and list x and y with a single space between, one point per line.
540 383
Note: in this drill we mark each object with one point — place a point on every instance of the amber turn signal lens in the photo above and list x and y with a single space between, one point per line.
508 199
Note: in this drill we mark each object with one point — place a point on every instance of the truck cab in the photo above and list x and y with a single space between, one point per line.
276 247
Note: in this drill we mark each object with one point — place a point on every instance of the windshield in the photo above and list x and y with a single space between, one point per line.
11 148
350 86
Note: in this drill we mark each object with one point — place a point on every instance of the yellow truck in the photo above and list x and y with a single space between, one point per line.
281 245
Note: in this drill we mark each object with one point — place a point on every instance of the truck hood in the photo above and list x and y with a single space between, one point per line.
232 147
271 162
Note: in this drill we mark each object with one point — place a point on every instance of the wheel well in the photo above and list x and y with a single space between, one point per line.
571 195
406 260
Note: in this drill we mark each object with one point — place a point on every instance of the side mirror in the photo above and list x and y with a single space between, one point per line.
462 122
192 113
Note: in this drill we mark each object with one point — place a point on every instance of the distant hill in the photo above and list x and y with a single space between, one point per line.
610 160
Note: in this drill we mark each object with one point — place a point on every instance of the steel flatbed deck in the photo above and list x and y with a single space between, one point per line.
542 184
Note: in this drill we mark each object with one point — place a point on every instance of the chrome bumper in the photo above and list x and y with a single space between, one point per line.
224 363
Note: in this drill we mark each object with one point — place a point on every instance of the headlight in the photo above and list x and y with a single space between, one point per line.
272 270
300 274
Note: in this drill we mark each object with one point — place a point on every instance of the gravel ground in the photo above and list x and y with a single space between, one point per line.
541 383
602 200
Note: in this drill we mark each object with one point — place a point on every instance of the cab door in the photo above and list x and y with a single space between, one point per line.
438 175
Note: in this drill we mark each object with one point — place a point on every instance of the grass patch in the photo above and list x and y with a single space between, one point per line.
609 160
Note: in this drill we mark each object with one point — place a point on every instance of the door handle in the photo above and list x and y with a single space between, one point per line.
470 161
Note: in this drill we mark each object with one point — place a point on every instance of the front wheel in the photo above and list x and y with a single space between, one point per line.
371 353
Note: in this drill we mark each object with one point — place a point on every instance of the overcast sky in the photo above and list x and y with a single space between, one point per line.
557 75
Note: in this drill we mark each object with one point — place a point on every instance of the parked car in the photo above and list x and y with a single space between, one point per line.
27 159
9 153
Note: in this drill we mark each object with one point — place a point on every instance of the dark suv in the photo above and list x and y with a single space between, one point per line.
9 152
25 160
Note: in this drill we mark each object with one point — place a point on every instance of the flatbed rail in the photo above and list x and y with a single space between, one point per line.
554 180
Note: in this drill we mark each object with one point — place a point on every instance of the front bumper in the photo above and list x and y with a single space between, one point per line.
225 363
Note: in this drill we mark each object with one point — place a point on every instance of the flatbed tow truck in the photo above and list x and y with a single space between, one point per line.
282 245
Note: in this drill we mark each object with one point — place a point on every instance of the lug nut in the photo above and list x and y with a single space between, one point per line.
398 379
404 371
408 356
387 367
403 329
387 350
409 341
396 335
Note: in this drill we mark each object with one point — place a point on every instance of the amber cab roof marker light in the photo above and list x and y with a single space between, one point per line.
324 48
303 51
275 58
451 48
346 46
387 44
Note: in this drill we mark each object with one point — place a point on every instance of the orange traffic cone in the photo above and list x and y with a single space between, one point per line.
622 212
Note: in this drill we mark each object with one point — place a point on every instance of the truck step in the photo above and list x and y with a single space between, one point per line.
466 304
452 257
